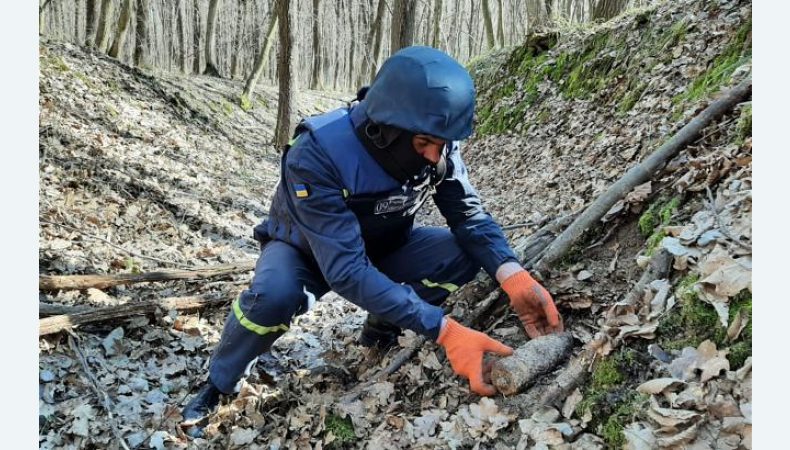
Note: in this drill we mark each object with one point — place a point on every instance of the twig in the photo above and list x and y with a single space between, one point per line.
517 226
103 397
86 234
711 204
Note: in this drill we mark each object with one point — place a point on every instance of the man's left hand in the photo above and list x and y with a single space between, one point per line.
533 304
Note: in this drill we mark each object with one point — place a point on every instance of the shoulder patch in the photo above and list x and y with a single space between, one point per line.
301 190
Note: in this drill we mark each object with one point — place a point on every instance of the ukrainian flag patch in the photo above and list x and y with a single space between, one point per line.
301 190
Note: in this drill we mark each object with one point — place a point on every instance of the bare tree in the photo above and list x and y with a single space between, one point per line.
182 35
141 35
103 30
260 62
488 24
606 9
373 44
196 67
91 22
315 81
234 58
437 20
211 39
285 73
500 30
120 33
402 31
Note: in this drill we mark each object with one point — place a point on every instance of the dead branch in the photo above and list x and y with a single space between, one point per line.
51 309
643 172
101 393
67 282
56 324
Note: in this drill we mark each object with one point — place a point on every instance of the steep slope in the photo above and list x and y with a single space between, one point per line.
172 171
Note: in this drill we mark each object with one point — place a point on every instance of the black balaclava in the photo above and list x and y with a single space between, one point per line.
392 148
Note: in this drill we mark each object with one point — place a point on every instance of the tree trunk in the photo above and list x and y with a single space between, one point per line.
234 59
141 42
123 24
103 30
182 35
260 60
374 37
500 31
55 324
91 23
402 32
315 81
196 66
73 282
489 26
352 45
437 20
285 73
211 38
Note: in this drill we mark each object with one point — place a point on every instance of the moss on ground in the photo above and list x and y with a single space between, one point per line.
652 222
744 127
695 321
737 53
245 103
341 428
610 400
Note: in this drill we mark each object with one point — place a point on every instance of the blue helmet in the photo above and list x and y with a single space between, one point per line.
425 91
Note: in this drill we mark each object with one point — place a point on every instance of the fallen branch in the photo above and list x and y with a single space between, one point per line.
56 324
67 282
101 393
643 172
51 309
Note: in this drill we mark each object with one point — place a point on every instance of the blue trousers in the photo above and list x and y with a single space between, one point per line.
287 283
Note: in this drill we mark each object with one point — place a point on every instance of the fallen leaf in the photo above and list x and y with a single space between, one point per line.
659 385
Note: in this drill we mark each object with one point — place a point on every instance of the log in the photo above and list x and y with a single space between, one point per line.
533 359
72 282
643 172
55 324
52 309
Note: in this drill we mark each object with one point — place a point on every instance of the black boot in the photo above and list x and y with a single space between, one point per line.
379 333
203 404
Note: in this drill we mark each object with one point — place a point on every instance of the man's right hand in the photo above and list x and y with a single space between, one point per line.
465 348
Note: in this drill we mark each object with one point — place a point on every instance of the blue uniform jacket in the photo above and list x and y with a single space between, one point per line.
340 207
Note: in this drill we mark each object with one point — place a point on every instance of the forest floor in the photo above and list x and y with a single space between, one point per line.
144 171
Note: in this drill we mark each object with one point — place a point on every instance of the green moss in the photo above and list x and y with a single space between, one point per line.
675 35
611 402
245 103
744 128
606 374
737 53
227 108
648 221
630 98
652 242
626 412
696 321
668 209
341 428
57 63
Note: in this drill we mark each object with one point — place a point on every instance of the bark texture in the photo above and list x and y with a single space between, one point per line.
535 358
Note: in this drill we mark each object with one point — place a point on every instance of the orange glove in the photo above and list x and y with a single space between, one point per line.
533 304
465 348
